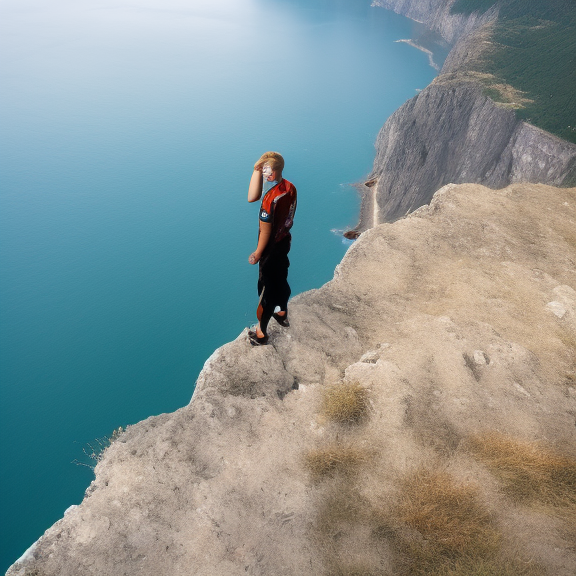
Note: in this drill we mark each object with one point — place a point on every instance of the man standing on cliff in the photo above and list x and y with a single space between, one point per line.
276 219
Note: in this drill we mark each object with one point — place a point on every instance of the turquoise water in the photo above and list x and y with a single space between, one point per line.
129 129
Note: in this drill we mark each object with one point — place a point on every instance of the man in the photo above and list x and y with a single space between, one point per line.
276 218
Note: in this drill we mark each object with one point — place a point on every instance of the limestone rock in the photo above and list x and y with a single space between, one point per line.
458 293
557 309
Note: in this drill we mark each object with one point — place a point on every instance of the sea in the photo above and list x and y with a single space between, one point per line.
128 133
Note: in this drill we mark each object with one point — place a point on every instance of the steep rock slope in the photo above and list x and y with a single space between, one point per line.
435 14
451 132
457 320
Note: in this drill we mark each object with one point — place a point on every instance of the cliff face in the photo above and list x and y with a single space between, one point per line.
456 321
450 132
435 14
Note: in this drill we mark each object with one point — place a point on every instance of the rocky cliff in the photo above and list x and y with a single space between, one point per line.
436 15
418 417
451 132
370 437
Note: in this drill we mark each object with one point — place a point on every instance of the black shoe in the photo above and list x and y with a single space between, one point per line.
282 320
255 340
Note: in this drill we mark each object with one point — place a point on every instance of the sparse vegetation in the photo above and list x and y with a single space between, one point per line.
533 50
352 571
448 515
529 472
343 513
433 526
440 528
491 567
343 569
346 403
341 507
95 449
341 459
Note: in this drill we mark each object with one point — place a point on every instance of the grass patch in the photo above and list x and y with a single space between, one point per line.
338 459
433 526
492 567
342 508
343 514
533 49
345 403
439 527
528 471
504 95
447 515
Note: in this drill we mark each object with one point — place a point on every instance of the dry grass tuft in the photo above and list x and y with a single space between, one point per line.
439 527
342 530
341 508
336 459
528 471
491 567
447 515
346 403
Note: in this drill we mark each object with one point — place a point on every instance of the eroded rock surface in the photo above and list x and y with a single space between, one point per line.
459 319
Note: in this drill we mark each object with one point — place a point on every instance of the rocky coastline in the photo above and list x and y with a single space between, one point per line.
457 319
452 133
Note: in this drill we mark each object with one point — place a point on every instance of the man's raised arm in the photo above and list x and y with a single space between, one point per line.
255 188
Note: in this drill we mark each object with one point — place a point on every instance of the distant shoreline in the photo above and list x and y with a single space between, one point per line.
422 49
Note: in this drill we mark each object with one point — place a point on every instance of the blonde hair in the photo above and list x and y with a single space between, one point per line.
273 159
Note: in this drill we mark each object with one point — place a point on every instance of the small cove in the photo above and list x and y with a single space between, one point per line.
129 133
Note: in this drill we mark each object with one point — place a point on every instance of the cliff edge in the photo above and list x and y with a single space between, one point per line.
452 334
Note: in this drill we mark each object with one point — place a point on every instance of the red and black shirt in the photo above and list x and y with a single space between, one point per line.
278 208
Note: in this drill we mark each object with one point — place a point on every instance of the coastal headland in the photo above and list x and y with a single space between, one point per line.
418 416
452 132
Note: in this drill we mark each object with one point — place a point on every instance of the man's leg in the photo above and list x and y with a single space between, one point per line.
282 289
265 292
264 313
273 287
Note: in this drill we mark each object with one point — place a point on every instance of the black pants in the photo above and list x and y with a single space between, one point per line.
273 287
